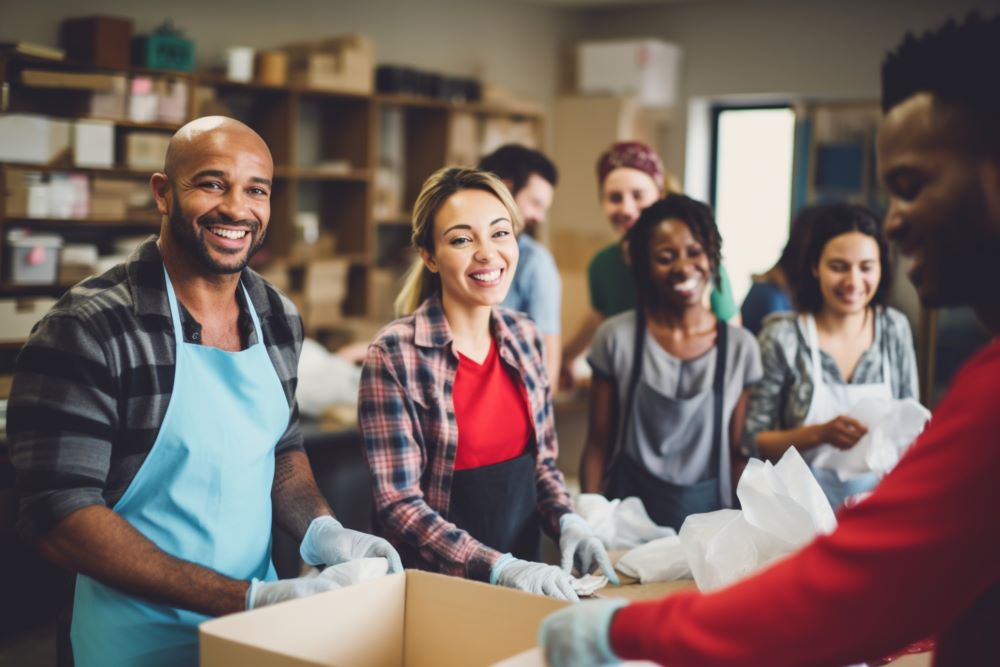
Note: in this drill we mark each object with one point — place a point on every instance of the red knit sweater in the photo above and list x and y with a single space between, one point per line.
920 557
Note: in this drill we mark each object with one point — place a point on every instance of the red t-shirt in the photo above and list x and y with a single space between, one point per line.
491 411
919 557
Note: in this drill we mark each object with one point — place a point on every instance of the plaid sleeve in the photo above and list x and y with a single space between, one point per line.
553 498
61 417
389 426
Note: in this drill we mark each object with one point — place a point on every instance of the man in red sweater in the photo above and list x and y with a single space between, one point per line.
921 556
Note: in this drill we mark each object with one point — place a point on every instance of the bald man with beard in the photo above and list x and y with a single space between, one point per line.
153 426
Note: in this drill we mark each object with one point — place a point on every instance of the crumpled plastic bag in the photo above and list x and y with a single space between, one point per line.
324 379
783 509
660 560
893 425
620 523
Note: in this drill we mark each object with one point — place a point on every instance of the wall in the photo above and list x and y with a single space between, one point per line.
805 47
516 46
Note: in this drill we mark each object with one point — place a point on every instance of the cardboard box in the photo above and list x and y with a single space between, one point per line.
647 68
94 143
415 619
98 40
342 64
326 280
146 150
32 259
18 316
33 139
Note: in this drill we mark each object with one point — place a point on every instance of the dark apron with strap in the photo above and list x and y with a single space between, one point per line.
668 503
497 505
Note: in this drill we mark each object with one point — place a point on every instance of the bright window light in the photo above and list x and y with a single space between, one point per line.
753 189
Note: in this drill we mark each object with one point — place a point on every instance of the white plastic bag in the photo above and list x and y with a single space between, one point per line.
783 509
324 379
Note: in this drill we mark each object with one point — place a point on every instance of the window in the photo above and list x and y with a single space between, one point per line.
751 187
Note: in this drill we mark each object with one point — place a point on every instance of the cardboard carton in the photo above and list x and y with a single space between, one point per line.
18 316
414 619
343 64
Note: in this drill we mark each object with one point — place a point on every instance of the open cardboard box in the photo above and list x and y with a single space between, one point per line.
413 619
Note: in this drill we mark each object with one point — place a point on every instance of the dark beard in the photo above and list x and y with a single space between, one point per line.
186 236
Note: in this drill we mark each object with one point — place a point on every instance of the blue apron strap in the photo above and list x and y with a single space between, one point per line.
175 315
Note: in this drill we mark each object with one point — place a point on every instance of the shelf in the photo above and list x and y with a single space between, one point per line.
412 101
320 174
70 65
100 171
8 289
137 125
480 108
220 81
394 222
81 222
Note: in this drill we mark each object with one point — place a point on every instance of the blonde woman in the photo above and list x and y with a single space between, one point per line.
455 406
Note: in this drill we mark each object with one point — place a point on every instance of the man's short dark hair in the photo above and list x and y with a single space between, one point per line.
516 164
950 63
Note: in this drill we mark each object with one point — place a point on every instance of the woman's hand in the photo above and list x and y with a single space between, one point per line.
842 432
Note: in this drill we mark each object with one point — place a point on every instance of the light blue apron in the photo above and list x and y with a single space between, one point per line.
203 494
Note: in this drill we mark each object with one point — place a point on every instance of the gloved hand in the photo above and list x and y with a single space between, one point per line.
577 540
536 578
327 542
263 593
579 635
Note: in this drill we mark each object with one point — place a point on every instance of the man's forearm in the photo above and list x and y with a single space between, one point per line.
295 497
99 543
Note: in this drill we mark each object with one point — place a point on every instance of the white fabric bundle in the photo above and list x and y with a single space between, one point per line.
620 524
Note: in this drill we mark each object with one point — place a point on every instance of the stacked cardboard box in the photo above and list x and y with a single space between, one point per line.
344 64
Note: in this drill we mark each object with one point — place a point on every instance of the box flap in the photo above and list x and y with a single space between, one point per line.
357 626
462 623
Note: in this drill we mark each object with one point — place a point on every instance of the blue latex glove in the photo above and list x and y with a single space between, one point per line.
327 542
579 635
578 542
537 578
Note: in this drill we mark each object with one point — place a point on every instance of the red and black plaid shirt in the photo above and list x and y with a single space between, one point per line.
407 418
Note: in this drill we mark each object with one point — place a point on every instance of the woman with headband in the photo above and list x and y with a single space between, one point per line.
630 177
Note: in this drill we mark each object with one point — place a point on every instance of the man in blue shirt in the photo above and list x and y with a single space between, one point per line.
537 288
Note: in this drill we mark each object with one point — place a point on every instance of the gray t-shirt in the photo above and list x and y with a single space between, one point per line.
611 357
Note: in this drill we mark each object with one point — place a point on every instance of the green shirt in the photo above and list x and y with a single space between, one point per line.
612 290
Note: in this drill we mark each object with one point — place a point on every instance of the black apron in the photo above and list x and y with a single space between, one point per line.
497 505
667 503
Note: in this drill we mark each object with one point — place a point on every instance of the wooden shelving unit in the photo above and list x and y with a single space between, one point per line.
327 148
